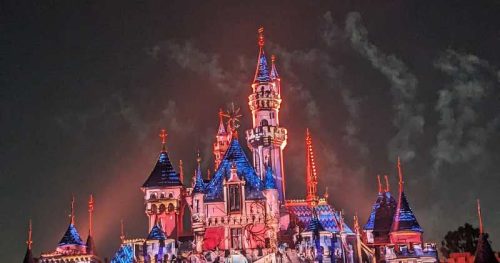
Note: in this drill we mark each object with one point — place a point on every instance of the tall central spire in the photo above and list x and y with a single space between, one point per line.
312 178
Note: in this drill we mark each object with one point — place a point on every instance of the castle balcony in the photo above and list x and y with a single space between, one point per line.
258 101
267 136
237 220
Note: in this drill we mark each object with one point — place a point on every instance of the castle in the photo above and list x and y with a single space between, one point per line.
241 213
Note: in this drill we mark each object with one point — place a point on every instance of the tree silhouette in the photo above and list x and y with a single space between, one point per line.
464 239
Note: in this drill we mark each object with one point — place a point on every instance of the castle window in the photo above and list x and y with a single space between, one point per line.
234 198
197 205
171 207
162 195
162 208
154 208
236 238
152 196
264 122
170 195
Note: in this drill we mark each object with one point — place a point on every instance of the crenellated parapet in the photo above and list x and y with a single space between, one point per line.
267 136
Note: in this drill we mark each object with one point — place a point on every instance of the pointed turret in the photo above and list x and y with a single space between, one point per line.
156 233
311 176
163 173
484 252
90 239
71 242
222 139
28 257
198 184
274 71
262 71
405 227
370 224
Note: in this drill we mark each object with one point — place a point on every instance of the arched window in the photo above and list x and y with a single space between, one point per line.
171 207
152 196
264 122
154 208
162 195
162 208
234 198
170 195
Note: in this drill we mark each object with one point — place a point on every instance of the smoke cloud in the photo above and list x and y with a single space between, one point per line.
408 118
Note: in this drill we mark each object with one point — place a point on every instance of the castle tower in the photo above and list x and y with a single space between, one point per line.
311 177
222 140
163 194
267 139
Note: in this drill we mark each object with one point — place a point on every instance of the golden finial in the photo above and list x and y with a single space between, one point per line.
163 135
91 210
122 231
261 36
72 214
29 242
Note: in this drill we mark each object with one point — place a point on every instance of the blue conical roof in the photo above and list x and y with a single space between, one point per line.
262 71
404 219
370 224
234 154
71 237
269 181
274 71
157 233
163 173
199 185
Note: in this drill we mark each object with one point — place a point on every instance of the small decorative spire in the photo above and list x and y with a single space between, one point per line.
400 174
72 214
274 72
386 183
181 171
260 31
91 210
356 224
29 242
481 229
311 176
198 158
122 231
163 135
379 184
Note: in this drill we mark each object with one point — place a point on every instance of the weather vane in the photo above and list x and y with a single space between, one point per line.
233 116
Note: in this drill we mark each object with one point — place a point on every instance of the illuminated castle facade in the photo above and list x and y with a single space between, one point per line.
240 212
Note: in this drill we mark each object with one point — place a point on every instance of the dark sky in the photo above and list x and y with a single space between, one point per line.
85 87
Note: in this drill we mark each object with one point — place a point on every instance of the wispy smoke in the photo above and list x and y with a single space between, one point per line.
191 58
351 136
462 134
408 118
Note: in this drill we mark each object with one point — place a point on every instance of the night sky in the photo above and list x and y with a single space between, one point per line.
85 87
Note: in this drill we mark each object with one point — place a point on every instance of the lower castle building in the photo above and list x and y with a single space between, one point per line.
240 213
